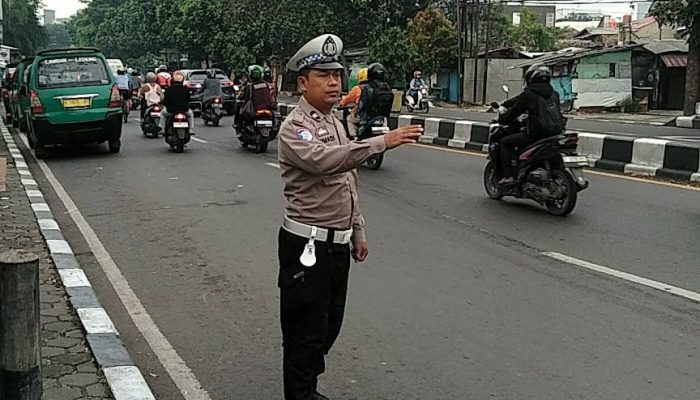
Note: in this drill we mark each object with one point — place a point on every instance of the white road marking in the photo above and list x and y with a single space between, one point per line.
40 207
196 139
96 320
179 372
273 165
664 287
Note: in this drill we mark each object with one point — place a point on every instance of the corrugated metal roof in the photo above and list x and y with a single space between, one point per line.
675 60
667 46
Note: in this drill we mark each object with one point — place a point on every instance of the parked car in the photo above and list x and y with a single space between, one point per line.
193 81
19 100
73 98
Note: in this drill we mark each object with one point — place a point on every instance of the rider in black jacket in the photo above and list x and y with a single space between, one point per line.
537 79
177 100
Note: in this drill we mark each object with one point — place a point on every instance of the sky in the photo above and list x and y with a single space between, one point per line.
66 8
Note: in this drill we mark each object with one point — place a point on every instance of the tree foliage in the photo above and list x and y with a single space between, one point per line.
58 36
532 35
393 49
435 40
21 25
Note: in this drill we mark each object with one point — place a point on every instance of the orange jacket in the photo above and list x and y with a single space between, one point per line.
353 97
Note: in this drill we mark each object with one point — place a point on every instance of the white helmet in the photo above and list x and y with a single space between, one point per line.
130 70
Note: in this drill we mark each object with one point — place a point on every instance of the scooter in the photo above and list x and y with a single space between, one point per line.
258 134
135 100
151 117
177 132
376 127
422 105
211 112
549 171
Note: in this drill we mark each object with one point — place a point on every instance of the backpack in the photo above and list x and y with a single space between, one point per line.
377 100
152 96
163 80
549 118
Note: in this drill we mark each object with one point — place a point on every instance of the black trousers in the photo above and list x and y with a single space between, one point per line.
312 309
508 145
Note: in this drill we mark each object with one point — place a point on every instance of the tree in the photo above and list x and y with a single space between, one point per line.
532 35
435 40
392 48
685 13
21 25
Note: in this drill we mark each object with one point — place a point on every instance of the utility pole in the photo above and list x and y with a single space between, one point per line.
2 23
475 9
460 52
486 53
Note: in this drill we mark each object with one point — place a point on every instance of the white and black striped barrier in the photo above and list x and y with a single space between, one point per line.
635 156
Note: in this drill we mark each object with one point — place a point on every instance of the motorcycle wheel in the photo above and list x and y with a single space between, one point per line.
154 133
375 161
261 145
493 190
427 107
564 206
215 122
180 146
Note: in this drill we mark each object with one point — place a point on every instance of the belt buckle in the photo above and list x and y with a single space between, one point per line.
347 236
308 256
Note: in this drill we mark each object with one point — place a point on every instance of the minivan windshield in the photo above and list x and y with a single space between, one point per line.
71 71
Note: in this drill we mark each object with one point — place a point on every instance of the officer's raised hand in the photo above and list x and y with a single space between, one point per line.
404 135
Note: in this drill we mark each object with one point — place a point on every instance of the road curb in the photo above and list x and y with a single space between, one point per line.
692 122
633 156
124 379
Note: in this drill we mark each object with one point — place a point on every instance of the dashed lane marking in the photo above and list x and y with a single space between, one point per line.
664 287
273 165
196 139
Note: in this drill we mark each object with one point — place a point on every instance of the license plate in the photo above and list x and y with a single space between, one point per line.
379 129
581 161
216 105
263 123
180 125
76 103
156 115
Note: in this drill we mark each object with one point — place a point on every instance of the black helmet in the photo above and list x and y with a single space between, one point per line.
211 74
376 72
538 73
267 74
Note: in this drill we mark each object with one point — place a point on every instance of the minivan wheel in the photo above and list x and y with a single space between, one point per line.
115 146
40 152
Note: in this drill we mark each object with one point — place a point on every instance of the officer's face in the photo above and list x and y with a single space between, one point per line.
321 87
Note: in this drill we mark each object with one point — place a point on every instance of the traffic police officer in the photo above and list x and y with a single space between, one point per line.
322 214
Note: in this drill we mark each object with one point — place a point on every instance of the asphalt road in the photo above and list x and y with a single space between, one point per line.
455 302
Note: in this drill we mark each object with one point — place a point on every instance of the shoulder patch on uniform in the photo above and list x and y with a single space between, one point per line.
304 134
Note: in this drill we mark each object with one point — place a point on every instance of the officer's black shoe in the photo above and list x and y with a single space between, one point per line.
319 396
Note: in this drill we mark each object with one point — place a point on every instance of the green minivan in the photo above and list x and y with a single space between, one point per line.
73 99
19 101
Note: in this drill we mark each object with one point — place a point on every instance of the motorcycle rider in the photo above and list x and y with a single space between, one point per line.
177 100
537 80
164 77
376 98
267 77
211 88
256 96
151 93
125 86
416 85
353 97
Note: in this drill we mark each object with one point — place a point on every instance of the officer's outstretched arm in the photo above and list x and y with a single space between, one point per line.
300 148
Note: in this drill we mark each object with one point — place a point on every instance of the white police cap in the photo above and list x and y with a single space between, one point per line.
321 52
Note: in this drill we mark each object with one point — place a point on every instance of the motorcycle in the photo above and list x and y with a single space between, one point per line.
135 100
376 127
258 134
549 171
177 132
211 111
151 117
423 103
